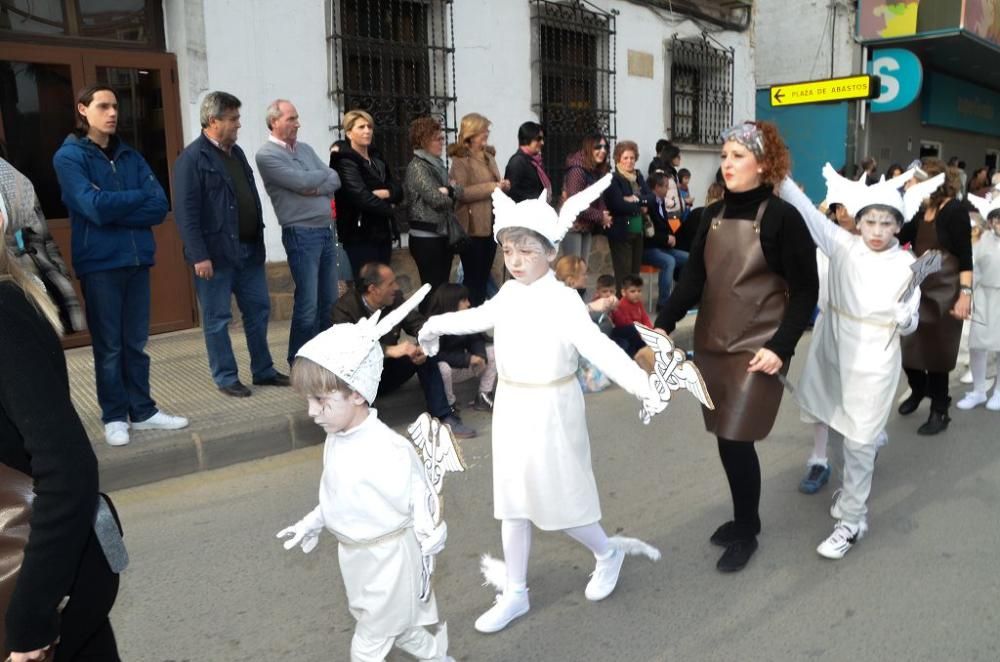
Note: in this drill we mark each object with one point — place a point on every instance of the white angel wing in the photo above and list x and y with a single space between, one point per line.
502 203
577 203
983 206
437 449
898 181
384 325
656 341
914 196
688 376
839 189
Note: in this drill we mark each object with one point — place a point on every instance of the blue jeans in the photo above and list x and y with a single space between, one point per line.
666 261
117 302
312 259
248 282
396 372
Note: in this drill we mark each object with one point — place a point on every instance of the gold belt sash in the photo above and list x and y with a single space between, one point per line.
350 542
861 320
555 382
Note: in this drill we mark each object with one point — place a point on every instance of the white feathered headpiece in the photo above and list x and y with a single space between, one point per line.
986 207
855 195
539 216
352 351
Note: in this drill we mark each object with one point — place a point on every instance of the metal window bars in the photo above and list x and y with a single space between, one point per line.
701 90
573 67
394 59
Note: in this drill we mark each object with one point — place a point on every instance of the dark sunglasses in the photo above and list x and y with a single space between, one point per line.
602 146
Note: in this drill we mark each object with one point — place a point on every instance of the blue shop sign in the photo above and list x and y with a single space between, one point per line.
901 74
957 104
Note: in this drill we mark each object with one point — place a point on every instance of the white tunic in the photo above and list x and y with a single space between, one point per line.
372 489
984 330
541 450
850 377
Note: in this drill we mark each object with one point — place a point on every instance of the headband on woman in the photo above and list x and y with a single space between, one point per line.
746 134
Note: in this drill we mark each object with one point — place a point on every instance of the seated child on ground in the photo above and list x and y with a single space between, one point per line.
463 357
373 496
630 310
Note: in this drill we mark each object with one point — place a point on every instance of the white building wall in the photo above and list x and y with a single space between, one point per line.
794 46
261 50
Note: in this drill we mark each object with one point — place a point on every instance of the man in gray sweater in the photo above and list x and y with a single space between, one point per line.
301 186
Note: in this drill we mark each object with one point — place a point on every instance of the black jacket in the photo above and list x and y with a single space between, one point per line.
350 308
457 350
788 250
361 215
952 224
41 435
525 184
661 229
620 210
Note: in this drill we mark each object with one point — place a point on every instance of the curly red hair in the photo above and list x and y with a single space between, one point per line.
776 162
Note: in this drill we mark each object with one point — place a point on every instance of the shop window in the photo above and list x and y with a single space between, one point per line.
125 22
701 90
395 60
575 76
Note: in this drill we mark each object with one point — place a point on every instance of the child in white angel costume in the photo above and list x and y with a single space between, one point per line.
542 473
373 495
852 371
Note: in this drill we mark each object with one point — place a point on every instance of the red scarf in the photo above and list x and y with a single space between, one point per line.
536 160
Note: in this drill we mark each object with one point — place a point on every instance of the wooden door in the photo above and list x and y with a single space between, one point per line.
37 91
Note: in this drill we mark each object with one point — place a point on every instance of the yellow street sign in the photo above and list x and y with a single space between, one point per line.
830 89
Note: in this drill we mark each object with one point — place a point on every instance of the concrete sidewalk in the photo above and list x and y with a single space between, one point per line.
226 430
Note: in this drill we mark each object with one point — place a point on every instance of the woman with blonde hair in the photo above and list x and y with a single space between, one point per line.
43 442
474 169
365 222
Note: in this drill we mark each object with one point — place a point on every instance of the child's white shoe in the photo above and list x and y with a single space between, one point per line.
509 605
994 402
971 400
605 576
844 537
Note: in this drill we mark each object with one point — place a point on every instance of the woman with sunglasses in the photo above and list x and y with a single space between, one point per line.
583 168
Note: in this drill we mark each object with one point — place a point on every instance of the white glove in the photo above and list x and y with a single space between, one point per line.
432 542
305 532
428 340
906 315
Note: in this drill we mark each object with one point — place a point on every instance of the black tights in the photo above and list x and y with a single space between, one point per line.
739 459
933 385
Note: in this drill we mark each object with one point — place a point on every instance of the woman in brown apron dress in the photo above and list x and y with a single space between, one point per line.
930 353
752 273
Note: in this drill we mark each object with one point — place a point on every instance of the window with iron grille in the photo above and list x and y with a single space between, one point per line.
394 59
701 90
574 69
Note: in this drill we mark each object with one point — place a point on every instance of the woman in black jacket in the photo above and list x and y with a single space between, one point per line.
525 172
752 272
627 200
930 353
42 436
365 223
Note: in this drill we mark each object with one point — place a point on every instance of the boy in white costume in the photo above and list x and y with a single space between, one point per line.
984 331
850 376
373 494
542 471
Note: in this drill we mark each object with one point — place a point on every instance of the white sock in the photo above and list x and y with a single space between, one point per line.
977 364
821 435
593 537
515 535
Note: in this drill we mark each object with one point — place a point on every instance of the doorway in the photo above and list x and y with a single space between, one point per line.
930 149
38 86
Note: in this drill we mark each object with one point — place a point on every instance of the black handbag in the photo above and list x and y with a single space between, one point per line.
16 495
458 238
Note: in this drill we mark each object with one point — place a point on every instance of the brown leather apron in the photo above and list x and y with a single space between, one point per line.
934 345
742 304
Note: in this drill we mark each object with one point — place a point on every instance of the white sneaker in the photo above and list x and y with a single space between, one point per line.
835 507
509 605
971 400
161 421
966 377
844 537
116 433
605 577
994 402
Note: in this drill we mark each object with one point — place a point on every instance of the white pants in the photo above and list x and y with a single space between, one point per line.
416 641
859 465
515 536
487 375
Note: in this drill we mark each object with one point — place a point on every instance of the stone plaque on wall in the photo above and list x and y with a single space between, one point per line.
640 64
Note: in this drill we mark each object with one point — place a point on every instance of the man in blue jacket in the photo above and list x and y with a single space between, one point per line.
220 220
114 200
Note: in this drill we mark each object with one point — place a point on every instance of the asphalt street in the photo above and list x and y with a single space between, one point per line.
209 581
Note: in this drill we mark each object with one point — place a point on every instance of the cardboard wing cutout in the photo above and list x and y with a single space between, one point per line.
439 454
672 371
922 267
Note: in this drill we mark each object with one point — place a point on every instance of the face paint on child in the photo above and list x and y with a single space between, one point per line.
878 229
336 412
527 260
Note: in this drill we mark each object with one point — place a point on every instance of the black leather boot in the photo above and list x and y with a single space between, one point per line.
938 420
908 406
